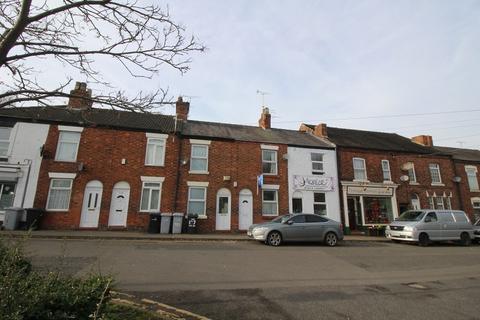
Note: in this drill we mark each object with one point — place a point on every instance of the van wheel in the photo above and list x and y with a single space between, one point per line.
423 240
274 238
465 239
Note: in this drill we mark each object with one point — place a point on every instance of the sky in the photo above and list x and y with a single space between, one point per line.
344 63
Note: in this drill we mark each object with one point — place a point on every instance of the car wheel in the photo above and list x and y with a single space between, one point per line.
274 238
331 239
465 239
423 240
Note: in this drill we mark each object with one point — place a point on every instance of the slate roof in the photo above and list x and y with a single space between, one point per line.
94 117
374 140
461 154
161 123
203 129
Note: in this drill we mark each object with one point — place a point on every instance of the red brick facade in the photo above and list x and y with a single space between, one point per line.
467 196
101 151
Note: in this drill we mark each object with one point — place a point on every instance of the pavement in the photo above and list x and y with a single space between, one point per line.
133 235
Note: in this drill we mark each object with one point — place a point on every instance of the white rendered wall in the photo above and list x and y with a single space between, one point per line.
26 141
299 163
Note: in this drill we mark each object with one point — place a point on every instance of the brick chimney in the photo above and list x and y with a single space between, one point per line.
182 109
265 119
321 130
424 140
80 97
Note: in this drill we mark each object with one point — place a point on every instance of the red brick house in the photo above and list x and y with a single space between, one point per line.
107 169
466 164
383 174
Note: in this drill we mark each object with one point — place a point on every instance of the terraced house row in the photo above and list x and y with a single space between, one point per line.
95 168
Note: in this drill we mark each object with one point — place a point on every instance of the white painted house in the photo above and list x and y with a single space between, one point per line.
20 160
313 181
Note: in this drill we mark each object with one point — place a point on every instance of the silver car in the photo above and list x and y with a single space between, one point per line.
476 231
297 227
425 226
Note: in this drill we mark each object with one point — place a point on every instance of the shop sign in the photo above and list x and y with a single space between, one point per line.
370 191
313 183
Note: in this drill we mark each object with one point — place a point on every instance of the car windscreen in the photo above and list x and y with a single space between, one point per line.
282 219
411 216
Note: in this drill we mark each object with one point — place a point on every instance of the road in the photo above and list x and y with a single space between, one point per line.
248 280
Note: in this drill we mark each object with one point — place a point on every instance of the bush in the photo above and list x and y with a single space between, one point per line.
26 294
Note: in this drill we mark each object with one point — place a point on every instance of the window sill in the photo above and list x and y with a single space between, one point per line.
270 174
436 184
198 172
269 215
57 210
361 180
149 212
154 165
414 183
68 161
388 182
474 190
202 217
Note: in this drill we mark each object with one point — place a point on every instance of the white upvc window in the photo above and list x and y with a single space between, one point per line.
359 169
151 194
269 162
435 173
197 199
412 177
387 175
4 141
319 203
317 163
472 177
7 194
155 152
59 194
67 148
270 202
448 203
431 202
199 158
439 203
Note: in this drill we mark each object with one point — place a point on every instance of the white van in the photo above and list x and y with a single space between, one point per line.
424 226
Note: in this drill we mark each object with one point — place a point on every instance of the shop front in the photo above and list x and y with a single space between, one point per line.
368 207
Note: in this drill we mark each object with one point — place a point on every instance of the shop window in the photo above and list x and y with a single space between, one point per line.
269 202
7 194
319 203
317 163
4 141
269 162
359 169
472 177
196 200
378 210
59 194
439 203
67 148
435 173
199 159
387 176
150 196
415 201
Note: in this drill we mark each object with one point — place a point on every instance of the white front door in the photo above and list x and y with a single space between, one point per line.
224 209
92 202
245 210
119 207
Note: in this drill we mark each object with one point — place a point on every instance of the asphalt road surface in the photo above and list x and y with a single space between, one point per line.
248 280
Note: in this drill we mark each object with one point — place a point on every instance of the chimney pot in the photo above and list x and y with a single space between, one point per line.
321 130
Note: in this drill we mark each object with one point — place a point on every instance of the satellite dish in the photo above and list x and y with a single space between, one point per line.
404 178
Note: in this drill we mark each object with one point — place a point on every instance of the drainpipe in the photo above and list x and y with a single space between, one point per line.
179 160
29 163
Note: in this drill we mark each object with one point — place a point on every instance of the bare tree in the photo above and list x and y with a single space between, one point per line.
81 34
